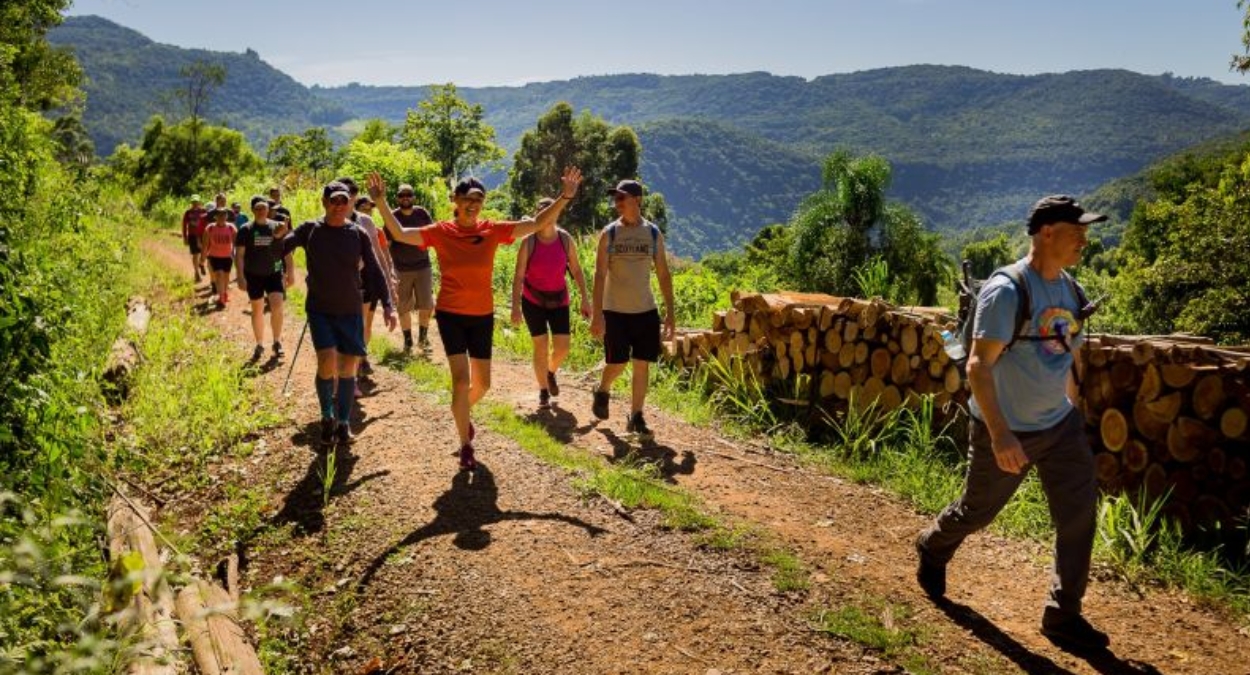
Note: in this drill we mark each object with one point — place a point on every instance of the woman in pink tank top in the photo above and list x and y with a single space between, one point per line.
219 248
540 295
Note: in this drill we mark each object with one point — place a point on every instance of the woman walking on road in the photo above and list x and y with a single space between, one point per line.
540 294
465 305
219 248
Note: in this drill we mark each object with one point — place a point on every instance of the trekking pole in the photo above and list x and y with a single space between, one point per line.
294 357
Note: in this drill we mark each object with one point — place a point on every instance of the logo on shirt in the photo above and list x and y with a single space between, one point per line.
1057 322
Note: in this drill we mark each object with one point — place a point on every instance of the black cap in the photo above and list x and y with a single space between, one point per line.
257 199
363 200
627 187
1059 209
469 185
352 187
334 187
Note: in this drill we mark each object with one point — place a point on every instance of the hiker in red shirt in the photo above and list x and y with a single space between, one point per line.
192 231
465 308
219 248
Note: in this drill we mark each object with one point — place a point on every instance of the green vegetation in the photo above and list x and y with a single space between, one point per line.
882 626
451 131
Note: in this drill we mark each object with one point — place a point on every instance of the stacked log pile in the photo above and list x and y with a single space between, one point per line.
1169 413
831 350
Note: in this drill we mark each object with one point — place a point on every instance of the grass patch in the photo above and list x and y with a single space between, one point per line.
880 626
789 573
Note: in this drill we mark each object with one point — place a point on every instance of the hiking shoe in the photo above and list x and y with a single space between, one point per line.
343 435
258 352
930 576
277 350
424 345
600 406
638 426
544 399
467 462
552 385
366 368
1073 632
327 430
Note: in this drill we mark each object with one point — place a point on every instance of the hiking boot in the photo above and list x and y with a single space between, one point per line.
638 426
930 576
277 350
407 342
258 352
600 406
467 462
327 430
343 435
366 368
1073 632
552 385
544 399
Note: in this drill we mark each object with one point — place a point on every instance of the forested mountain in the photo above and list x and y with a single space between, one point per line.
131 77
732 153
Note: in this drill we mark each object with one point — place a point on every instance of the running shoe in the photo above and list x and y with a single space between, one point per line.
600 406
258 352
552 385
544 399
343 435
467 462
638 426
277 350
327 430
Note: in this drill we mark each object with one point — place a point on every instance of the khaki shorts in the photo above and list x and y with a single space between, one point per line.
416 290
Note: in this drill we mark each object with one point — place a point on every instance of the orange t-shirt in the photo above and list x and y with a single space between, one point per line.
466 261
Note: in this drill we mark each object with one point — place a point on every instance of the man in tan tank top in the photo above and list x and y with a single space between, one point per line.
624 313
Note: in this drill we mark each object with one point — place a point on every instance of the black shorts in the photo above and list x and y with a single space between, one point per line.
193 243
220 264
631 336
369 299
538 319
466 333
260 285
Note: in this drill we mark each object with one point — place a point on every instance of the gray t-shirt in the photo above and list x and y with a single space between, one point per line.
1031 377
406 257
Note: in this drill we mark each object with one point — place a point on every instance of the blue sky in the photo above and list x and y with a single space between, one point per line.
493 42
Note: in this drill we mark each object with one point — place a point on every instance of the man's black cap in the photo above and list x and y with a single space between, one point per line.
627 187
1060 209
469 185
334 187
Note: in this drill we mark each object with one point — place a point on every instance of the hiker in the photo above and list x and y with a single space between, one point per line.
625 315
415 285
370 301
540 294
192 232
240 218
465 307
265 273
218 246
275 198
1024 413
334 248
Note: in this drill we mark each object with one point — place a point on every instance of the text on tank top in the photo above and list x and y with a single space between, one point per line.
631 254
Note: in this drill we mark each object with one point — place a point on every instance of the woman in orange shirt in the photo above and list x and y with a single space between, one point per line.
219 248
465 307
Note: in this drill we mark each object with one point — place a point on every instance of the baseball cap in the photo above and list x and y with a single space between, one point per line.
1060 209
257 199
406 190
470 185
363 200
629 187
196 198
335 187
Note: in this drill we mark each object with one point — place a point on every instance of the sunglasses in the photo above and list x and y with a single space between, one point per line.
340 200
618 198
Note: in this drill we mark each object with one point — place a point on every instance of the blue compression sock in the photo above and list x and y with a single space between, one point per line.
346 396
325 396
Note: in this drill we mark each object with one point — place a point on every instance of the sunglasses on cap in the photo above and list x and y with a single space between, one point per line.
339 200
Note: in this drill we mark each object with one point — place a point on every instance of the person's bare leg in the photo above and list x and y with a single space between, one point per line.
611 371
276 302
368 312
638 385
540 360
258 319
460 388
479 373
559 351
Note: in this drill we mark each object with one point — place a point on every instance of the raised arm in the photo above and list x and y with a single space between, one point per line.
545 220
377 192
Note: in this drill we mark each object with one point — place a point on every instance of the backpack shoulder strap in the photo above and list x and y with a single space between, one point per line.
1024 301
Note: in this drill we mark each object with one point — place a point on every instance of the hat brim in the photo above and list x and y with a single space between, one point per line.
627 193
1088 218
473 191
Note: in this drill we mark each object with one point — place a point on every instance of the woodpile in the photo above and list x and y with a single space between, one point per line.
1168 414
140 598
124 355
831 350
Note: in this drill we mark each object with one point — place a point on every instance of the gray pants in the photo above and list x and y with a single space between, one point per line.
1066 468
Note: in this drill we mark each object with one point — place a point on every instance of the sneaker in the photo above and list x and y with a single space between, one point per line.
930 576
424 345
544 399
1074 633
343 434
600 406
552 385
638 426
467 462
258 352
327 430
277 350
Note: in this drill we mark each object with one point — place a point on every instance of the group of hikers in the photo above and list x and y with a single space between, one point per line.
1021 369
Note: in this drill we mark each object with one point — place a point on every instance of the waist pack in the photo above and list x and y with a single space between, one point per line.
547 299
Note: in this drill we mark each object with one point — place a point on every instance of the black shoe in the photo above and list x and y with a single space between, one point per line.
600 406
423 343
467 461
258 352
638 426
407 342
343 435
930 576
1073 632
552 385
544 399
327 431
366 368
278 352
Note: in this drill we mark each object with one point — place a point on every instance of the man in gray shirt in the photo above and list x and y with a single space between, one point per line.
415 284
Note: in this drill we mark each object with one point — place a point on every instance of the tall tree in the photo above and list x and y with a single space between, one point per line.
200 79
1241 62
43 76
448 129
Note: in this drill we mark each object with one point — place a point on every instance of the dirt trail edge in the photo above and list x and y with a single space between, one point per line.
509 570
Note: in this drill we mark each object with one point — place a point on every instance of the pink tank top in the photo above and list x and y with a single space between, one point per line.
545 269
220 241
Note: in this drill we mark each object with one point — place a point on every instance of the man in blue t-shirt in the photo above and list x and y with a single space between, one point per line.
1024 413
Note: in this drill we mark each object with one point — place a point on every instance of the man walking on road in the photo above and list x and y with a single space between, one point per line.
265 273
370 300
1024 412
192 231
624 313
412 266
334 248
